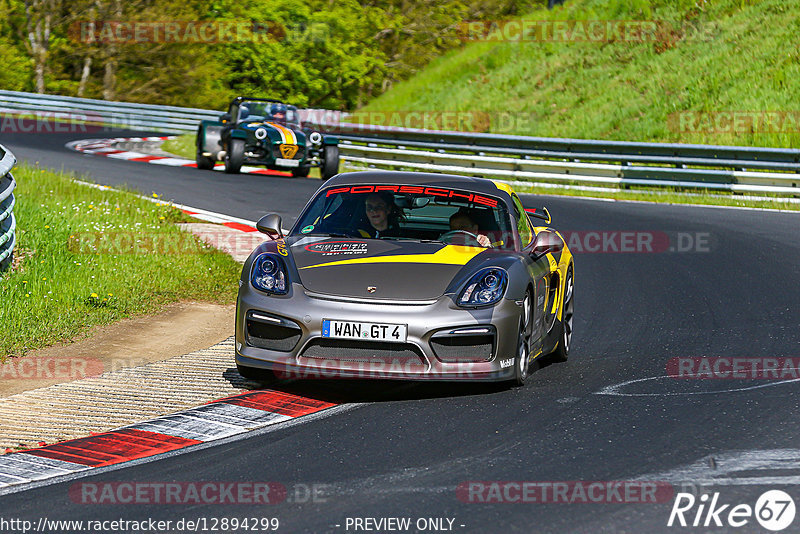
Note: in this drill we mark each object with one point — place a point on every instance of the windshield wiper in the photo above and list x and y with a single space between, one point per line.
412 239
327 234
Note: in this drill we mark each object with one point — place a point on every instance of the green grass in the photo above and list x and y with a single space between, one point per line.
744 57
77 262
182 146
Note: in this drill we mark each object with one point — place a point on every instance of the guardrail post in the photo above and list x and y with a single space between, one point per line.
8 223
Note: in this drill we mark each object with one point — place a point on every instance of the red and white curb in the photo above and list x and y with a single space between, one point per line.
223 418
230 221
108 148
242 225
217 420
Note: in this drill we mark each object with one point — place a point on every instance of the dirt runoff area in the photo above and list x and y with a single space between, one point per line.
177 330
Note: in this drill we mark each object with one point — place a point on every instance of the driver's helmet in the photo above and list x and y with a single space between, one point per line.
278 112
244 112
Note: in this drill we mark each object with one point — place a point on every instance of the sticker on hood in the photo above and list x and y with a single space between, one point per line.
338 248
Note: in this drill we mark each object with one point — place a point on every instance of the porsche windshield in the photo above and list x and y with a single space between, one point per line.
409 212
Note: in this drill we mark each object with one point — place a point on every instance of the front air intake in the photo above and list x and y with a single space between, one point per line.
273 333
472 344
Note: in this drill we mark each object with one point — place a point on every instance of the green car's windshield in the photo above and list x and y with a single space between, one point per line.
409 212
256 111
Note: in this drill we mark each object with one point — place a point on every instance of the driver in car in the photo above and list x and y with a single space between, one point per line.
278 112
461 221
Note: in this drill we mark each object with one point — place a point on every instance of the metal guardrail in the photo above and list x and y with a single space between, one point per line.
573 160
544 159
113 115
8 224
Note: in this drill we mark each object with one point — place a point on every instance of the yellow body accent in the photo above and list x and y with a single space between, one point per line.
287 134
288 151
564 262
449 255
503 187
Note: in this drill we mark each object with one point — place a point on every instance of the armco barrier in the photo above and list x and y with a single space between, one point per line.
513 157
547 159
117 115
8 223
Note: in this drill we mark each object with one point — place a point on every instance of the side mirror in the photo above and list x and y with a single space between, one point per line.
546 243
270 224
225 117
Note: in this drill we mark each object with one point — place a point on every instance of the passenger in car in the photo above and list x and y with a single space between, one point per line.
382 215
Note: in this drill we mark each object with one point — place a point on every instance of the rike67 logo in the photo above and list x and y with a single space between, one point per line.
774 510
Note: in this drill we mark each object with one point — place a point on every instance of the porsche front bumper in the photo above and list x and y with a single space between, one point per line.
444 341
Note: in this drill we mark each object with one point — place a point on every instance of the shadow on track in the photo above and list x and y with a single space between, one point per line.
341 391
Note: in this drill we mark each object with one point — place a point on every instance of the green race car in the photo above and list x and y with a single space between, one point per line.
265 132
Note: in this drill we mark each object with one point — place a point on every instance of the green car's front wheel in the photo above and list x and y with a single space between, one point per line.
301 172
234 157
204 162
330 162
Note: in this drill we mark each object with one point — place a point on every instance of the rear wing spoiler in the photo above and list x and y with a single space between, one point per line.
539 213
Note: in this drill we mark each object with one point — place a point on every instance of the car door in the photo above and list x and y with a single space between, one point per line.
538 268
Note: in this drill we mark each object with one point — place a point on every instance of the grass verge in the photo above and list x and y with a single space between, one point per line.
88 257
708 57
182 145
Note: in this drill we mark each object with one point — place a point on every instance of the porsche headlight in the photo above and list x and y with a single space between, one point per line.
261 134
269 274
486 287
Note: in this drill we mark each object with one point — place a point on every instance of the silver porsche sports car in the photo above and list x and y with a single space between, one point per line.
402 275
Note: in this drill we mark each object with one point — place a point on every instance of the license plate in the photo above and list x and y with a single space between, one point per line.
287 162
393 333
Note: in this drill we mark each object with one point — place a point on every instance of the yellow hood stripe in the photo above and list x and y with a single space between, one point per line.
449 255
287 135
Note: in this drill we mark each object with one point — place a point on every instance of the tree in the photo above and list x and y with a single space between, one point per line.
39 15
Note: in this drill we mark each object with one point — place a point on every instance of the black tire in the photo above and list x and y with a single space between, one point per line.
330 161
522 358
234 156
300 172
561 352
253 373
204 162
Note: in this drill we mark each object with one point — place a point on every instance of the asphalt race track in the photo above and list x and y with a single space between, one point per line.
185 185
730 288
